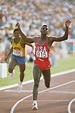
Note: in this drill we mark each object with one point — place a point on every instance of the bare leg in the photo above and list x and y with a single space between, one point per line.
47 77
22 69
12 65
36 75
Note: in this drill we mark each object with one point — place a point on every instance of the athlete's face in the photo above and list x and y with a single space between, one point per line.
44 30
16 34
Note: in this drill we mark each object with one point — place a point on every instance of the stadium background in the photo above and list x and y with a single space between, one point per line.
31 15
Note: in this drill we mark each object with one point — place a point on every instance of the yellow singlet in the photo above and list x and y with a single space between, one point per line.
18 50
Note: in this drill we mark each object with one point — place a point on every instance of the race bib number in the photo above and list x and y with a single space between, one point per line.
17 52
41 54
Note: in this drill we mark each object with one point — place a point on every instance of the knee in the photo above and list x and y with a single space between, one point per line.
36 84
10 70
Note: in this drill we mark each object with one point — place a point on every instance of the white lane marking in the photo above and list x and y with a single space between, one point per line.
17 91
64 72
38 100
69 105
12 86
64 92
30 81
12 109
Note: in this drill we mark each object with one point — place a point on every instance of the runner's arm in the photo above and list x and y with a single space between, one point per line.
24 37
11 50
65 36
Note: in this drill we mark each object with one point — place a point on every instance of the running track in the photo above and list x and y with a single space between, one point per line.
59 98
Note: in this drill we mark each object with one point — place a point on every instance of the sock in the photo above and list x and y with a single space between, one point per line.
34 101
20 83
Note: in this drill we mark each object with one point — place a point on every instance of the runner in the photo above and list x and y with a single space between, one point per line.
18 56
42 51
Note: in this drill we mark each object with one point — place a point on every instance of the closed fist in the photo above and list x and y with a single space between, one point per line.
68 22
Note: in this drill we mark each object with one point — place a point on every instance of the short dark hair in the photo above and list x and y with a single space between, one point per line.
15 30
44 25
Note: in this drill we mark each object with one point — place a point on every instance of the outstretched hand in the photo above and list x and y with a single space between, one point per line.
68 22
18 25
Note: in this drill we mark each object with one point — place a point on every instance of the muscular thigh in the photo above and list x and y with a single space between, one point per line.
47 75
12 64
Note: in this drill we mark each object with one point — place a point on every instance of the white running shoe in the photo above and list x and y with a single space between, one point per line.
20 87
35 107
12 74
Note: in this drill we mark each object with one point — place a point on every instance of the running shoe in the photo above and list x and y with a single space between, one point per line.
35 107
20 87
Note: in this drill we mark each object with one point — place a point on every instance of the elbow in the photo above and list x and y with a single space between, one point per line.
66 38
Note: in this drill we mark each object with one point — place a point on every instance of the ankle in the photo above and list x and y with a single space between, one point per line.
20 82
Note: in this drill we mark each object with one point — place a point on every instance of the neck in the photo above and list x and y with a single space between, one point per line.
43 36
16 39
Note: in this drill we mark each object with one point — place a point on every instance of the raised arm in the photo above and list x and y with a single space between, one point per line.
65 36
24 37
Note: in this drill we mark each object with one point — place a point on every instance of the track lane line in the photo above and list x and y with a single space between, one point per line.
30 81
69 105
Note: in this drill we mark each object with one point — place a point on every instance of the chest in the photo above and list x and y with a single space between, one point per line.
41 48
18 44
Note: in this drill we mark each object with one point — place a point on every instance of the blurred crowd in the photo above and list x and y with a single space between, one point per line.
31 14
